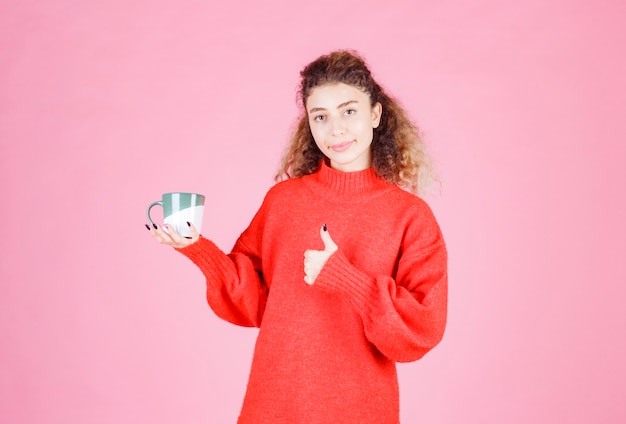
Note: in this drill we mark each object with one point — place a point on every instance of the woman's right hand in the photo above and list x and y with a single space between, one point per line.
169 236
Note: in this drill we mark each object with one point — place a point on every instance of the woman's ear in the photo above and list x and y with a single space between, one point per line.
377 111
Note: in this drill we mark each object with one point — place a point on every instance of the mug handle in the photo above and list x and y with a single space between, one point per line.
150 206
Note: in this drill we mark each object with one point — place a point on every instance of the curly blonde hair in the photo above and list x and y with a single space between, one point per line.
398 152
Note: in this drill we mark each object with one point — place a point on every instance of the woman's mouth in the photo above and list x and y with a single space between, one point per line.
340 147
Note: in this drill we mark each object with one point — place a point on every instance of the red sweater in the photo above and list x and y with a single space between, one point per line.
326 353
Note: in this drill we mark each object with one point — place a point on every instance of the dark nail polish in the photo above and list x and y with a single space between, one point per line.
147 227
325 228
188 224
155 226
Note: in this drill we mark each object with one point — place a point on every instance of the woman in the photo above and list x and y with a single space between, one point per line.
343 268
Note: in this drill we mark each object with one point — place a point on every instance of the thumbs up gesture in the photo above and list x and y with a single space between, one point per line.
314 260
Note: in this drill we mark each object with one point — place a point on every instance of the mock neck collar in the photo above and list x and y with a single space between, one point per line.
348 182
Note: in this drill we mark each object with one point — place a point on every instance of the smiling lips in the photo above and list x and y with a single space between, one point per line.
340 147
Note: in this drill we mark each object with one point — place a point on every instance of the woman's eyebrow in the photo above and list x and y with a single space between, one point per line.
317 109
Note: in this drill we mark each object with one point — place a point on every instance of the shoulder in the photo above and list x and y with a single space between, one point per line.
292 185
415 213
407 200
284 188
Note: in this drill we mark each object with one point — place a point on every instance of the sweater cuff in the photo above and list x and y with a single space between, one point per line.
207 256
340 276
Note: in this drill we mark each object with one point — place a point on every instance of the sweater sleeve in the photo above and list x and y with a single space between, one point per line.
404 316
236 290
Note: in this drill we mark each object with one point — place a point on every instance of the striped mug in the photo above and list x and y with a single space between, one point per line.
178 209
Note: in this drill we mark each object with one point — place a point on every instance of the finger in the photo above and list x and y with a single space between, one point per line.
195 235
176 237
329 244
161 235
313 256
167 235
308 254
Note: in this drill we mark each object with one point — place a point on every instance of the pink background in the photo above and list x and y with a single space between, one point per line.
106 105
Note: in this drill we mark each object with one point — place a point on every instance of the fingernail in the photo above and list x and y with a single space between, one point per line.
188 224
155 226
324 227
147 227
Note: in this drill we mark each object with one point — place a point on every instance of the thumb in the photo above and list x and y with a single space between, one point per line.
329 244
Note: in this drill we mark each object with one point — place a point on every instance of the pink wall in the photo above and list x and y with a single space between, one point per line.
104 107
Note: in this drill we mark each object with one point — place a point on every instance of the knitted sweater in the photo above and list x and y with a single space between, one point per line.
326 352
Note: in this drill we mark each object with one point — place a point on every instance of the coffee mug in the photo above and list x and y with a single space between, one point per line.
178 209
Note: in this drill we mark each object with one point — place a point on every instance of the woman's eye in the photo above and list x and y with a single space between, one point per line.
350 112
319 118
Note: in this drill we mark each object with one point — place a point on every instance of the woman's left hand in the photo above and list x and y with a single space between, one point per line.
314 260
169 236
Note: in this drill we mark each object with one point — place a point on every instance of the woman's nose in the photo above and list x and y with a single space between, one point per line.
337 128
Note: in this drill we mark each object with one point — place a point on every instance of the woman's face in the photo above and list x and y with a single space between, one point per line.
342 122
